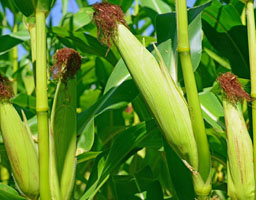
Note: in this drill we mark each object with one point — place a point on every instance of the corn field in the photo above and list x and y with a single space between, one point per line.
127 100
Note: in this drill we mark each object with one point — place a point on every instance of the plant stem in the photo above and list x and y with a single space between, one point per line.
252 58
32 31
15 58
42 105
191 90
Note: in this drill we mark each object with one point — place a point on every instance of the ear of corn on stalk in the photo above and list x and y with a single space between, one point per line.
167 105
241 183
19 145
63 119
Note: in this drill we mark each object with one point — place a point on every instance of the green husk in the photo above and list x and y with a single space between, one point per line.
241 184
240 167
21 150
64 121
161 94
64 133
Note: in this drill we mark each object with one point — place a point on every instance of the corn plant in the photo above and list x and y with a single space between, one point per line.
149 99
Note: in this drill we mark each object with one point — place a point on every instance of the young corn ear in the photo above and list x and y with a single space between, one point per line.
19 145
166 103
241 183
63 119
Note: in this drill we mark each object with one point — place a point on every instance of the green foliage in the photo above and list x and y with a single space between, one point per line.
120 151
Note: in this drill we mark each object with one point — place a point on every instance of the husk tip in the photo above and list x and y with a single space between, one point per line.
232 88
106 17
67 63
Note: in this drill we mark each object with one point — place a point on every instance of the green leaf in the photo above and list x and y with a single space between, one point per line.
218 145
114 98
141 184
86 138
180 175
44 5
212 110
25 101
4 161
118 76
8 193
87 156
124 143
223 28
124 4
9 4
154 7
9 41
84 43
194 28
158 6
80 19
103 70
27 7
206 68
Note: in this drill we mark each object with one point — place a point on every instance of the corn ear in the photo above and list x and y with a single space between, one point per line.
241 183
54 180
64 122
161 94
21 150
64 134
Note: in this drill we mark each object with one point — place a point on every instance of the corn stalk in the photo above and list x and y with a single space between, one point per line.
252 59
193 100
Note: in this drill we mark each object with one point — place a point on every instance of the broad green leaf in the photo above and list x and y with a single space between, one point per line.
103 70
87 156
118 76
158 6
206 68
9 41
194 27
109 124
80 19
141 184
25 101
4 161
27 7
114 98
180 175
154 7
124 4
84 43
44 5
154 158
8 193
9 4
212 110
86 138
124 143
224 30
218 145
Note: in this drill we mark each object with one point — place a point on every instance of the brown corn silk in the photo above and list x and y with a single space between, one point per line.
241 184
67 63
233 90
107 17
6 91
